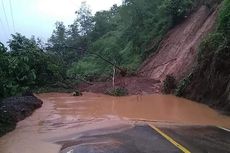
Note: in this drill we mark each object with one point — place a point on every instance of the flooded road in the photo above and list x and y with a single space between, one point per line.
63 116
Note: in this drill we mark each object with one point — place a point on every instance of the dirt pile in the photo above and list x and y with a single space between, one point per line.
134 85
15 109
177 52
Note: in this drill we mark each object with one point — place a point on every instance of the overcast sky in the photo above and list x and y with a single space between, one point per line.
37 17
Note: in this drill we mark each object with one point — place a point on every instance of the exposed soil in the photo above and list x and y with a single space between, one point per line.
15 109
134 85
177 52
175 56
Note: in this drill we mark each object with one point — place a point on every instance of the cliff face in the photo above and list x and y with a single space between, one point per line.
177 52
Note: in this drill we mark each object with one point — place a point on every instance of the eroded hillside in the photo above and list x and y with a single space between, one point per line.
177 52
209 82
176 55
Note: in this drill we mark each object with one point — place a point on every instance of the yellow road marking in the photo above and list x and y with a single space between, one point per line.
183 149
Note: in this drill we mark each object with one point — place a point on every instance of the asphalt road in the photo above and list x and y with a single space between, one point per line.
200 139
147 139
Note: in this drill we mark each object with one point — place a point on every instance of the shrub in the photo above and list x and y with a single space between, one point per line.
169 84
177 9
183 84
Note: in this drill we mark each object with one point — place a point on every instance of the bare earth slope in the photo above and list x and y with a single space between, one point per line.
176 55
177 52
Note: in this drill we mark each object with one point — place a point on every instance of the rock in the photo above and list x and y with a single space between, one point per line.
77 93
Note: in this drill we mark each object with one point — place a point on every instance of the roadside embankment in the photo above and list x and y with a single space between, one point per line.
209 82
15 109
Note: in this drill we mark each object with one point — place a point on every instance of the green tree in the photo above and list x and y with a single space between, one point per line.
58 39
30 66
105 21
4 64
177 9
84 19
224 20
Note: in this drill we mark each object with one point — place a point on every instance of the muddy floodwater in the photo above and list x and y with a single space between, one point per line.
63 116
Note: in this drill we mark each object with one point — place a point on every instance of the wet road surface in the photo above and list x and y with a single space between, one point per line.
139 139
144 139
200 139
99 123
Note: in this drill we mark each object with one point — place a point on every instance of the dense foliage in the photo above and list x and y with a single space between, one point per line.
169 84
124 35
26 66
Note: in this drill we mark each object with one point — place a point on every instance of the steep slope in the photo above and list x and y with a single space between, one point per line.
209 81
176 55
177 52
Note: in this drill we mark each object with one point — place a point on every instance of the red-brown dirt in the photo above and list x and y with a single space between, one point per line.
177 52
134 85
175 56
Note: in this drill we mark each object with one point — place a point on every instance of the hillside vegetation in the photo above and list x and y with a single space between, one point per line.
25 66
125 35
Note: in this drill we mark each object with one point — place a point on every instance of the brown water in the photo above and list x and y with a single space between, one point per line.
64 116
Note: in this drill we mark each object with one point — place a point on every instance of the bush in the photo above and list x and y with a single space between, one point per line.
169 84
117 91
177 9
26 66
224 20
88 68
183 84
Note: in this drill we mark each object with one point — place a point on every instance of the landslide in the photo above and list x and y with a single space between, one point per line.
210 80
175 56
177 52
196 53
135 85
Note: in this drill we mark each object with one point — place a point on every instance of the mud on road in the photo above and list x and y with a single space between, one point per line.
144 139
96 122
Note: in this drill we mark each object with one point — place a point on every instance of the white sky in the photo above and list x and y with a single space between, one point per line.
37 17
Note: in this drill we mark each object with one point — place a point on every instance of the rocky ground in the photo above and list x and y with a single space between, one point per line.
15 109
